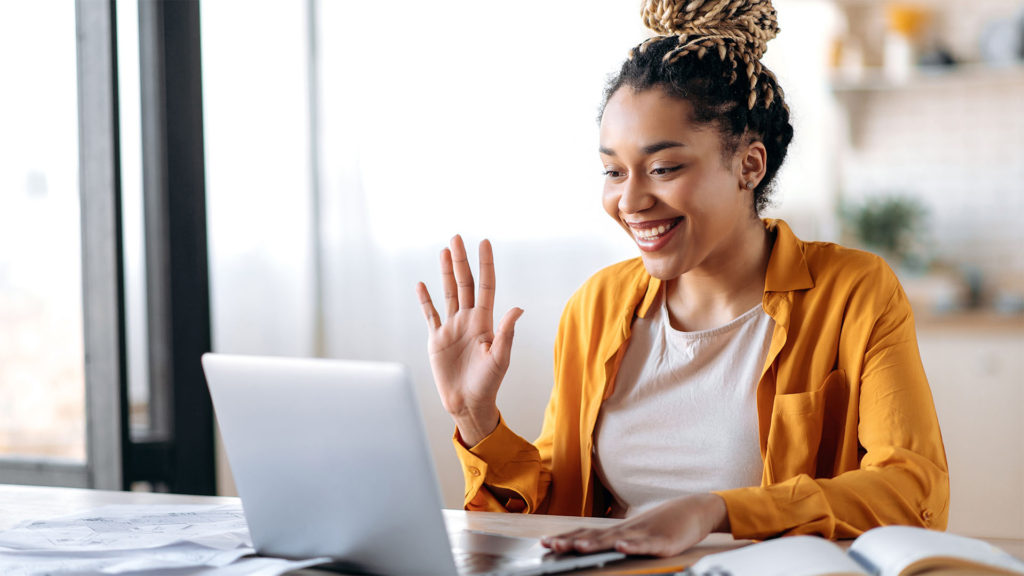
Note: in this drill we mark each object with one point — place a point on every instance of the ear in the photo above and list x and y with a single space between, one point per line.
753 161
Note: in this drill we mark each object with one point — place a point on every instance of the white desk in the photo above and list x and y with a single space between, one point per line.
20 503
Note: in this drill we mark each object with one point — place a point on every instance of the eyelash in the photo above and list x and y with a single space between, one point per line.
666 170
655 171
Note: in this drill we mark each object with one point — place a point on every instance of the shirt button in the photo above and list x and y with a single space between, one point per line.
474 470
927 515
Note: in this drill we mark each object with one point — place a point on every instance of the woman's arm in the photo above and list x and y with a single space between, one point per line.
902 476
467 356
504 472
469 360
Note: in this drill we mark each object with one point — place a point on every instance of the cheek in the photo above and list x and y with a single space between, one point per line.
710 193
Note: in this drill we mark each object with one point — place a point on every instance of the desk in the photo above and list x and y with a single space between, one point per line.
20 503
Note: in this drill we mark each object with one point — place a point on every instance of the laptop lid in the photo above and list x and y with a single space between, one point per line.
330 459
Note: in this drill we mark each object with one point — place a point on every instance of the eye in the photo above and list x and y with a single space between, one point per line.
665 170
612 173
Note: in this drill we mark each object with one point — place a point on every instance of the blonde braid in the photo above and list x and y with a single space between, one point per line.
738 29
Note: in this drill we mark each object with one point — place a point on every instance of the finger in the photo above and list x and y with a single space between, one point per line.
560 540
597 541
645 546
584 540
551 537
501 347
451 299
463 275
429 312
486 300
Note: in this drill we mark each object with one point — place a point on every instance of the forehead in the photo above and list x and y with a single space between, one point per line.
632 117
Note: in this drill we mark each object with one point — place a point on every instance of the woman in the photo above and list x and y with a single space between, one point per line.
733 378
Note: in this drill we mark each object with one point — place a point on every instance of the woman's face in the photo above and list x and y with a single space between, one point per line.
668 185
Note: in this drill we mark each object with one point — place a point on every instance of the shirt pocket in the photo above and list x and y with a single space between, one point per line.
798 426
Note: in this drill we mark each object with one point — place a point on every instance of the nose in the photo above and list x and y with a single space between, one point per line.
636 196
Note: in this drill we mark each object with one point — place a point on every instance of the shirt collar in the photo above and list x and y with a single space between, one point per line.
787 267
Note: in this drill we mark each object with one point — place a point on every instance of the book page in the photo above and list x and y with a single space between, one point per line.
789 556
904 550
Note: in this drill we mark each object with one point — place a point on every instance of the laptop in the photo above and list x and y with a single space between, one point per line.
330 460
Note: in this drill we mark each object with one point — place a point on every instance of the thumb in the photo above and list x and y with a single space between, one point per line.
501 347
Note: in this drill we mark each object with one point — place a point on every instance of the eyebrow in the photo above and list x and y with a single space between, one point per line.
649 149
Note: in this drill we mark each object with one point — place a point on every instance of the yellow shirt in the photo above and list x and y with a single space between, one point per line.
847 426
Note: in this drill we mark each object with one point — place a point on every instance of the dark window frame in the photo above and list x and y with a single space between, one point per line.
178 455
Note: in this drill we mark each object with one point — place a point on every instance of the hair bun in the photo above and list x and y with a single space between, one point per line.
748 23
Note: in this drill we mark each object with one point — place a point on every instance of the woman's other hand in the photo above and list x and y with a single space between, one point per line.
668 529
468 356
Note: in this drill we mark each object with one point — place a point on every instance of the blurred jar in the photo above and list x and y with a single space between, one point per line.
1002 41
905 24
846 58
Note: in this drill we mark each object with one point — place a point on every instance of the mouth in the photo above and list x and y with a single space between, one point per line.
653 235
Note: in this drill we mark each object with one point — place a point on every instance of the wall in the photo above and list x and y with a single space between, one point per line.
955 145
952 140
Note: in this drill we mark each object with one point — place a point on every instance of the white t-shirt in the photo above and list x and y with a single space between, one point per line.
682 418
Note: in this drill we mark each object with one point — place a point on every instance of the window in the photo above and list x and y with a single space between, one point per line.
63 367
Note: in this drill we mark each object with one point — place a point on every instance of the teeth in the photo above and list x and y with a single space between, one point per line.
652 233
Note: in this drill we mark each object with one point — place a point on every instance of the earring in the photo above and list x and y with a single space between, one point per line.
750 184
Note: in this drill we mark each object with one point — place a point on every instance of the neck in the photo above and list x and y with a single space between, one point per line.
725 286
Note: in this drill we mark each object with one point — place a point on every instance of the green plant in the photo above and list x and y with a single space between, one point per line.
889 225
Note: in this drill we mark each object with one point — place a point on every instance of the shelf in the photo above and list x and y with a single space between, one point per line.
970 322
967 74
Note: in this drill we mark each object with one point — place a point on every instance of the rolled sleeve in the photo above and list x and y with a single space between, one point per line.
505 460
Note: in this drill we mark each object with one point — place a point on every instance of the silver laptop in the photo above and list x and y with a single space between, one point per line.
330 459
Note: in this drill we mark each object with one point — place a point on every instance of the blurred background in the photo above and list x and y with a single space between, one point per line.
341 144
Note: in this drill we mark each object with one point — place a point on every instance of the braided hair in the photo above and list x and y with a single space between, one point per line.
708 52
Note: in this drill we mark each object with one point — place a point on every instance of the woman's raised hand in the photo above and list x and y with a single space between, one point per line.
468 356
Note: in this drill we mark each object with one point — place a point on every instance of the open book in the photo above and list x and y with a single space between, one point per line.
886 551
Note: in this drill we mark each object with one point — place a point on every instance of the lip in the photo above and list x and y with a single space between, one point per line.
654 244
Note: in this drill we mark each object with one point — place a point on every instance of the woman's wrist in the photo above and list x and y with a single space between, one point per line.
718 513
474 426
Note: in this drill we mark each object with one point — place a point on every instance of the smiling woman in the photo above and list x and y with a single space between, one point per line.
732 378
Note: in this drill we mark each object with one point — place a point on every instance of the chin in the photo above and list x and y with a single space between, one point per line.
660 269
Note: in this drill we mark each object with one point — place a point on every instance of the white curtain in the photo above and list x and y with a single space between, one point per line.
463 117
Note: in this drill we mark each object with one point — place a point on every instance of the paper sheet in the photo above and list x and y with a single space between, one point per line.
143 563
147 539
133 527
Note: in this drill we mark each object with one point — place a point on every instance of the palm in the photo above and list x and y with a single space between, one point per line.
467 356
461 356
